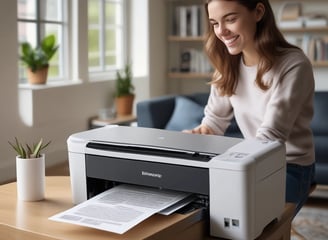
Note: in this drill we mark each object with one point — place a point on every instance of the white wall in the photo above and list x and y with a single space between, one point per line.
149 46
158 47
10 122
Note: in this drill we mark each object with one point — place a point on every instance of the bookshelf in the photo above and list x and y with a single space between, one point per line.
186 60
313 34
176 43
306 30
311 27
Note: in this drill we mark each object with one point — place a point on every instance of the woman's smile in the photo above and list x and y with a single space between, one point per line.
229 42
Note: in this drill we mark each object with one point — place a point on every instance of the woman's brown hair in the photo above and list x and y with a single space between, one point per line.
269 42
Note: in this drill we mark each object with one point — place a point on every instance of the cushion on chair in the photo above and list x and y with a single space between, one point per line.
187 114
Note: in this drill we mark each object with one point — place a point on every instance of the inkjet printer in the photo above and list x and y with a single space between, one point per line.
240 182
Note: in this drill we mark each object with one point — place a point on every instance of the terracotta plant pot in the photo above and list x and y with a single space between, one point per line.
38 77
124 105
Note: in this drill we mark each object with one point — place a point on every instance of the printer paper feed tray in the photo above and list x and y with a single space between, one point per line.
151 150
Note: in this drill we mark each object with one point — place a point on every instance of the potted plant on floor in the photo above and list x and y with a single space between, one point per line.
30 170
37 59
124 95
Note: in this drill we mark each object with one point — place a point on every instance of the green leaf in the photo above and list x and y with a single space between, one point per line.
26 49
29 151
37 148
124 85
38 57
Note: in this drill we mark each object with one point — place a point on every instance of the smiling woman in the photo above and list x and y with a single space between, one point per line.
263 81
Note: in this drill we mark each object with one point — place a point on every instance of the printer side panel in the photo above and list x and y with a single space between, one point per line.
270 189
247 189
232 206
78 177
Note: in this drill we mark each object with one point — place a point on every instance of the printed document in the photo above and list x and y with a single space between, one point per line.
120 208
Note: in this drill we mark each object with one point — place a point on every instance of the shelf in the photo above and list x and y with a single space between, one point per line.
305 30
320 64
172 38
189 75
309 1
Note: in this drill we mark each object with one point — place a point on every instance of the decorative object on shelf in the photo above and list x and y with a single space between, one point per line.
37 59
106 113
124 96
30 170
290 15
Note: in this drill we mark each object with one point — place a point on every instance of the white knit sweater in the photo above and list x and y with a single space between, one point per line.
283 113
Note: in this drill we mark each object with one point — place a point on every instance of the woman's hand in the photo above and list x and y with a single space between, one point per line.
201 129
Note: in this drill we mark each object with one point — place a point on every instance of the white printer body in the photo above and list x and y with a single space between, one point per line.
241 182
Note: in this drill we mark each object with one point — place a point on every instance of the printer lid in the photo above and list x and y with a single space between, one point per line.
156 139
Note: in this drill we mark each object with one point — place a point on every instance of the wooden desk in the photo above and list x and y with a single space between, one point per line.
29 220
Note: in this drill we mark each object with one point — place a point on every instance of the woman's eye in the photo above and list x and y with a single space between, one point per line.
214 24
231 19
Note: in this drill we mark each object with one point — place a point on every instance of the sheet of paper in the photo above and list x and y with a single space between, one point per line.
178 205
121 208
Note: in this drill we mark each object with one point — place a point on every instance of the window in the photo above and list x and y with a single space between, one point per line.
106 35
36 19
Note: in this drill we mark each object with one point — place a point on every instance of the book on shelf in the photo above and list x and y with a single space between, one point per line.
181 18
195 20
295 40
315 47
188 20
289 24
321 48
304 21
315 21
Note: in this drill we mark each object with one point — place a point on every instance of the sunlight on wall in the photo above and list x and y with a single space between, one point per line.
25 106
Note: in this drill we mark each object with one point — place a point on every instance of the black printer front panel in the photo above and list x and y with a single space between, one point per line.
167 176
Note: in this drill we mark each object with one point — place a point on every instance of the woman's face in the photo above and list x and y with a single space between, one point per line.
234 25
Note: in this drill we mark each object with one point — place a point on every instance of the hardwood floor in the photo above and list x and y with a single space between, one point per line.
319 197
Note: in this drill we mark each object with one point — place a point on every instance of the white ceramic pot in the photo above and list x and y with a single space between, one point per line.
30 178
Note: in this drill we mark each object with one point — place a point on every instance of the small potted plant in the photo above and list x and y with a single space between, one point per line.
30 170
124 95
37 59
